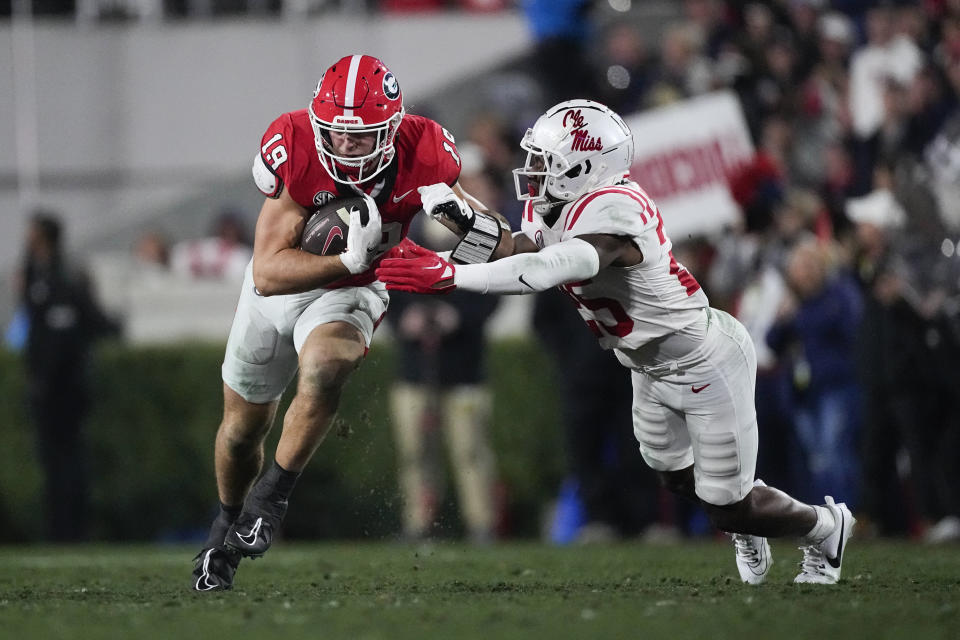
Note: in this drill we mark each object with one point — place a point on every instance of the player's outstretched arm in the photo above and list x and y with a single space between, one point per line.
568 261
279 266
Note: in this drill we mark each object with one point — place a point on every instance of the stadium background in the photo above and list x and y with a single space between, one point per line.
132 117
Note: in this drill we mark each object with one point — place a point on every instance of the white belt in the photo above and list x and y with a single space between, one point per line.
675 367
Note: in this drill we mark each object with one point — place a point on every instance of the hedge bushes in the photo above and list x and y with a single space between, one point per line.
150 448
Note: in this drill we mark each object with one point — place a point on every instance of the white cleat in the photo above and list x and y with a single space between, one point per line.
753 553
753 557
821 562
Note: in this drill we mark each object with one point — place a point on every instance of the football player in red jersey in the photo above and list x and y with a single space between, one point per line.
592 231
313 312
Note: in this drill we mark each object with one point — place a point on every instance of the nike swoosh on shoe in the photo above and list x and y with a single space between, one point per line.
835 562
758 570
251 537
204 578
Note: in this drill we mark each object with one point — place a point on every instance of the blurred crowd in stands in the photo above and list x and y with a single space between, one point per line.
221 255
152 10
845 264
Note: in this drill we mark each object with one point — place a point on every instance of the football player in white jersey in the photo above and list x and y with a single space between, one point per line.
596 234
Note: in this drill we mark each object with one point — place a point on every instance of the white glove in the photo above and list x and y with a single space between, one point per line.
440 201
363 241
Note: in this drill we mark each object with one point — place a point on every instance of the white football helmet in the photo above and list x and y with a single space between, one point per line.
573 148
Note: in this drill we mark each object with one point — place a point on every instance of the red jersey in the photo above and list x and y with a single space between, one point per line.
425 154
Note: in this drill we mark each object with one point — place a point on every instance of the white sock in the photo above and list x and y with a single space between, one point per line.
826 523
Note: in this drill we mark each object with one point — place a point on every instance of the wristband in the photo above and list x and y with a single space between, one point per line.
479 243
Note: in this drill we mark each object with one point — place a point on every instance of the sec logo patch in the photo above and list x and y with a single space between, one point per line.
322 198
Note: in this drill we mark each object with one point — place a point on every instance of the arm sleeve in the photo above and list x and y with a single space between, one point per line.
568 261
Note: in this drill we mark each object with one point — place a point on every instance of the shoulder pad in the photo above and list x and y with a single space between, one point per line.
616 210
268 182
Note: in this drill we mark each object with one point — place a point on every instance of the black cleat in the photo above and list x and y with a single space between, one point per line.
214 569
251 535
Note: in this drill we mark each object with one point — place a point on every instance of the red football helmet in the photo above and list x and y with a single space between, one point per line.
358 94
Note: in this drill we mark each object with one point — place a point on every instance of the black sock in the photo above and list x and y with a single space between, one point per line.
271 492
218 530
279 480
231 513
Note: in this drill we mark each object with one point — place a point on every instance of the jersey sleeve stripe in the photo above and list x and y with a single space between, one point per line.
655 211
578 208
637 197
685 277
528 211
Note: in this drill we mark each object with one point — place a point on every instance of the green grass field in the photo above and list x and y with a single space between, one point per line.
369 591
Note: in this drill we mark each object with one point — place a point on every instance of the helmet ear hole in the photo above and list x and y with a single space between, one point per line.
573 173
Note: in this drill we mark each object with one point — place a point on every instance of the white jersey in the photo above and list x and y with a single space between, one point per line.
625 307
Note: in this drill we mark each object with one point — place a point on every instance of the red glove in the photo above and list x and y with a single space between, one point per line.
418 271
401 250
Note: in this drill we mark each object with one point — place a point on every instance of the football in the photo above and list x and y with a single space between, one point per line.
325 233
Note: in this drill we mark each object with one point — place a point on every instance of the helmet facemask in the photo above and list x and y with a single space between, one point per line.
575 147
356 95
355 169
547 178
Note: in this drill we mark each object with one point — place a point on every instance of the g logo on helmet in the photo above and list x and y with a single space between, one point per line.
391 88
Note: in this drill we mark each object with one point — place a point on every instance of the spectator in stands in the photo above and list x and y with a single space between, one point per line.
803 17
64 320
441 391
562 30
152 249
910 348
609 493
887 56
625 67
489 143
891 358
757 187
681 71
837 186
817 326
822 117
708 16
222 255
